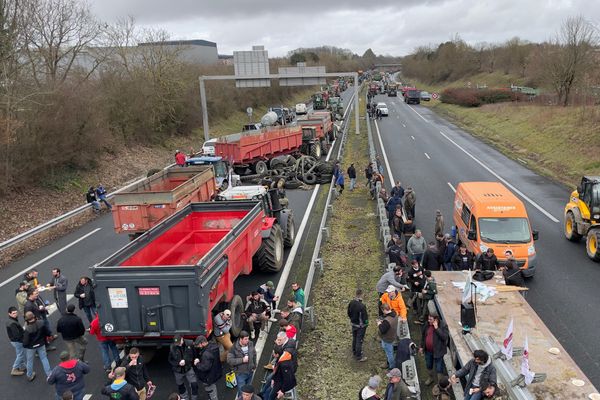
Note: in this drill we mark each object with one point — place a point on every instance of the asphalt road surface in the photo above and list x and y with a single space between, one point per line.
431 155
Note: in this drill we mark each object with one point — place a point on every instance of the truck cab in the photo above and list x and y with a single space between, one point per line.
221 167
488 215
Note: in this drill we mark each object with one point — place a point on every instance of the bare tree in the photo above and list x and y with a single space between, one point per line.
568 58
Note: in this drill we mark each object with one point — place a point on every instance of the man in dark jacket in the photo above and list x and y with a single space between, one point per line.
68 375
207 363
462 259
481 374
513 275
391 206
431 258
434 343
181 358
34 341
487 261
70 326
396 252
357 312
398 189
84 291
387 332
120 389
352 176
416 281
284 376
449 251
36 305
15 336
136 372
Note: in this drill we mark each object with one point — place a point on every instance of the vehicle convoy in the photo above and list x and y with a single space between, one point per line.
172 279
412 96
373 89
488 215
336 107
582 215
157 197
319 101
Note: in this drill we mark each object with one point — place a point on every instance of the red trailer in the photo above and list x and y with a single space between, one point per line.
172 279
157 197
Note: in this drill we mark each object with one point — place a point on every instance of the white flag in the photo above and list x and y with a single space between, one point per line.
507 344
525 364
466 297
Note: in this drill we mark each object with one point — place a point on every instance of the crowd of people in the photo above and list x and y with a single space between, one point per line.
196 364
97 195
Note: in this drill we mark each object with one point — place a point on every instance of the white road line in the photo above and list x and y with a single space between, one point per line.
54 308
87 397
415 111
451 187
427 155
533 203
43 260
404 126
412 137
387 163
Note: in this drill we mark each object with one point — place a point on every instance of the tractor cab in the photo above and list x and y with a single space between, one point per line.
588 192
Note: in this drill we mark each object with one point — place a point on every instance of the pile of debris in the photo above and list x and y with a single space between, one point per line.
295 172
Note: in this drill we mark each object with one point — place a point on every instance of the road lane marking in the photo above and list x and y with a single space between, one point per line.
427 155
412 137
423 118
43 260
404 126
387 163
451 187
55 308
530 201
87 397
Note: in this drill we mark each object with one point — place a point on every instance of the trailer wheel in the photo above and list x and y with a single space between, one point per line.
592 244
269 257
260 168
237 309
290 231
315 150
571 228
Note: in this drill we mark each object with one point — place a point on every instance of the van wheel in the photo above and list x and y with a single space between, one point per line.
592 244
269 257
571 228
237 309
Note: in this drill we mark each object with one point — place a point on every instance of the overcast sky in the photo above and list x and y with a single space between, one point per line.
394 27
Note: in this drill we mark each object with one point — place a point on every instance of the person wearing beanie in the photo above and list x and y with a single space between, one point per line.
247 393
207 365
369 392
69 376
70 326
181 359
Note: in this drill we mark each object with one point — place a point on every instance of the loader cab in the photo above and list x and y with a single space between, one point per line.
589 193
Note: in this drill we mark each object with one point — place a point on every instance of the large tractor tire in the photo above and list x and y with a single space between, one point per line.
592 244
315 150
237 310
290 231
571 228
324 147
260 168
269 257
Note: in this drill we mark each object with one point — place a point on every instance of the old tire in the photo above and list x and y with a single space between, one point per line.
290 231
309 178
571 228
315 150
269 257
237 309
291 161
260 168
293 184
592 244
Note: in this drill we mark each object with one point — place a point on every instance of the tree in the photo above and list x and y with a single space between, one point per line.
368 54
297 58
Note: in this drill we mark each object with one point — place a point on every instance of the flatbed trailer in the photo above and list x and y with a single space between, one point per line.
493 317
159 196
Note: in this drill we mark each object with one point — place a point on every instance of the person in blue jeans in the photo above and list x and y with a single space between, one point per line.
108 348
481 373
434 345
387 332
101 194
242 359
15 334
34 341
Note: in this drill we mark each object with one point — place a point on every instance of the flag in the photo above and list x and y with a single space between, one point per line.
525 364
466 297
507 344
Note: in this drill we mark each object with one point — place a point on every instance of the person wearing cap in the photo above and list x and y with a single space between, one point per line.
69 375
359 320
393 298
267 291
242 359
21 297
256 311
120 388
15 333
221 331
181 359
247 393
369 392
34 341
207 365
396 389
136 372
442 390
70 326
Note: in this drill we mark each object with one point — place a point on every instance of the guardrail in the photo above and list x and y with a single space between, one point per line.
409 367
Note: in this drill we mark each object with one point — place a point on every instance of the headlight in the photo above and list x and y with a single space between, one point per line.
531 250
483 248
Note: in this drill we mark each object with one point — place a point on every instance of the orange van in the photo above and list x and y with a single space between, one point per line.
488 215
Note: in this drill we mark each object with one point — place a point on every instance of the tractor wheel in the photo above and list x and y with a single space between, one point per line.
571 228
237 309
315 150
592 244
269 257
324 147
290 232
260 168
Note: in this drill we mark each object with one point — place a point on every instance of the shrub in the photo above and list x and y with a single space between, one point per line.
467 97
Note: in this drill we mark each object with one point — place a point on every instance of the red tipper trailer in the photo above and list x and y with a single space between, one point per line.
161 195
172 279
327 121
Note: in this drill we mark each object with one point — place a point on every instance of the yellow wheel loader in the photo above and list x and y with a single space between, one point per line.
582 215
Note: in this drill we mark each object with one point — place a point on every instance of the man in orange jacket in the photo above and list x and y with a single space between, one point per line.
393 298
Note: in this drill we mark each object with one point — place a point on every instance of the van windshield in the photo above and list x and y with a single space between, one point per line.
220 169
504 230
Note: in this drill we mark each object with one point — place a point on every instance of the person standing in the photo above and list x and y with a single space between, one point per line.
397 389
181 359
481 374
394 299
36 306
207 365
136 372
298 293
387 333
369 392
242 359
120 389
84 291
69 376
438 228
416 281
15 335
487 261
179 158
101 195
408 230
428 293
432 260
396 253
434 344
34 341
70 326
398 189
397 221
21 297
416 246
221 331
369 175
108 348
359 319
352 176
340 181
449 251
60 283
410 200
462 259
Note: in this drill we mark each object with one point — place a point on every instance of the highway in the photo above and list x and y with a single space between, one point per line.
432 155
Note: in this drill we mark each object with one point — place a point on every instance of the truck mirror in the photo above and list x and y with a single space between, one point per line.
472 235
579 189
536 235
